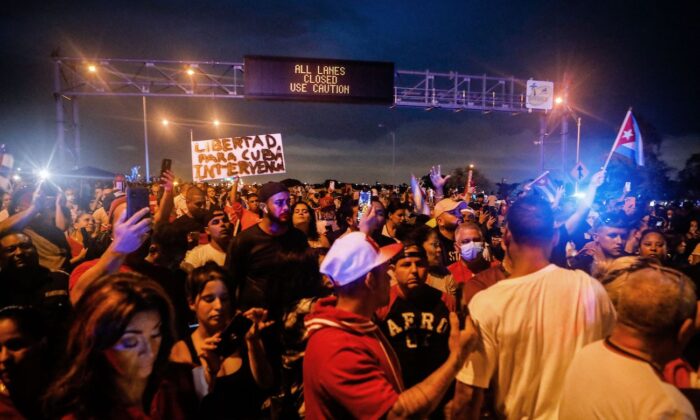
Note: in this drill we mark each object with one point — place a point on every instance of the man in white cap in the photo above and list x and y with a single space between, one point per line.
350 369
448 215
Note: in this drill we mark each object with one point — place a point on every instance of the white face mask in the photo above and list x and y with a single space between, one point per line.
470 251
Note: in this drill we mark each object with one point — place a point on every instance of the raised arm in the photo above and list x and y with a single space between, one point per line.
61 221
165 207
585 205
259 365
129 235
20 219
438 181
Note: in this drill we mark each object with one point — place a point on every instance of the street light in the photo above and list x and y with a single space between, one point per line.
190 72
92 68
558 100
216 123
166 122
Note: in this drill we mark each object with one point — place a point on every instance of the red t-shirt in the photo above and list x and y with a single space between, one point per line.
348 373
460 272
82 268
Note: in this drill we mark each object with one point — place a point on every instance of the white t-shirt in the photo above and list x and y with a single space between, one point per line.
603 384
199 255
531 327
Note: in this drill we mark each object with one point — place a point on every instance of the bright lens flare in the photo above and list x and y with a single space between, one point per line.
216 123
92 68
165 122
44 174
558 100
190 72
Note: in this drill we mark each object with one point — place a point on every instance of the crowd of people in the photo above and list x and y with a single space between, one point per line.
286 300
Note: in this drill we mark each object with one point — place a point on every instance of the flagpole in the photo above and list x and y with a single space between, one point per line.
617 139
544 174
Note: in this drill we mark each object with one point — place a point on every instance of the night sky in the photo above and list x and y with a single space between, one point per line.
619 54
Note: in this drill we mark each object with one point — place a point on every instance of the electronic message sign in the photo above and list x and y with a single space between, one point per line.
323 80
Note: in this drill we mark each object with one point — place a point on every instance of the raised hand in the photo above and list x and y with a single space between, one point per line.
597 179
260 322
437 179
167 178
462 342
130 234
369 221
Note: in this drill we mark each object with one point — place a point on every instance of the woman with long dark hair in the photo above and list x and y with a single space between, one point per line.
304 219
236 374
116 364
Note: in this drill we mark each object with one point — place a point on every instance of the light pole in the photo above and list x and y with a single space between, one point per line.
145 139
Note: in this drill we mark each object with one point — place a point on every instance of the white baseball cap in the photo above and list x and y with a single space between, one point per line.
354 255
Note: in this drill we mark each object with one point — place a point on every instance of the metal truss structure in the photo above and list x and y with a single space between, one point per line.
77 77
455 91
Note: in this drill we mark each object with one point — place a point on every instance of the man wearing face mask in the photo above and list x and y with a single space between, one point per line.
469 243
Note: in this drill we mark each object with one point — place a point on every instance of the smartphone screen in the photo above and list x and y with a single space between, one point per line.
363 204
136 199
628 186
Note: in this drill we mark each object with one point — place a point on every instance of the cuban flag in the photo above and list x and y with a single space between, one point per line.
544 185
6 164
628 143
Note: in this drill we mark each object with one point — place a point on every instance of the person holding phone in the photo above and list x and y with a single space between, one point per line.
229 383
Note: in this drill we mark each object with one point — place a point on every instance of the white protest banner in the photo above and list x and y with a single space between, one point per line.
237 156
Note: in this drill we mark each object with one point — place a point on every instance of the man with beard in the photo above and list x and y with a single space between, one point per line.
219 231
416 321
609 237
448 215
24 282
191 223
253 258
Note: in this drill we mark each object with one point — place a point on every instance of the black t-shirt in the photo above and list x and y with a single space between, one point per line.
449 254
185 224
418 329
253 259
